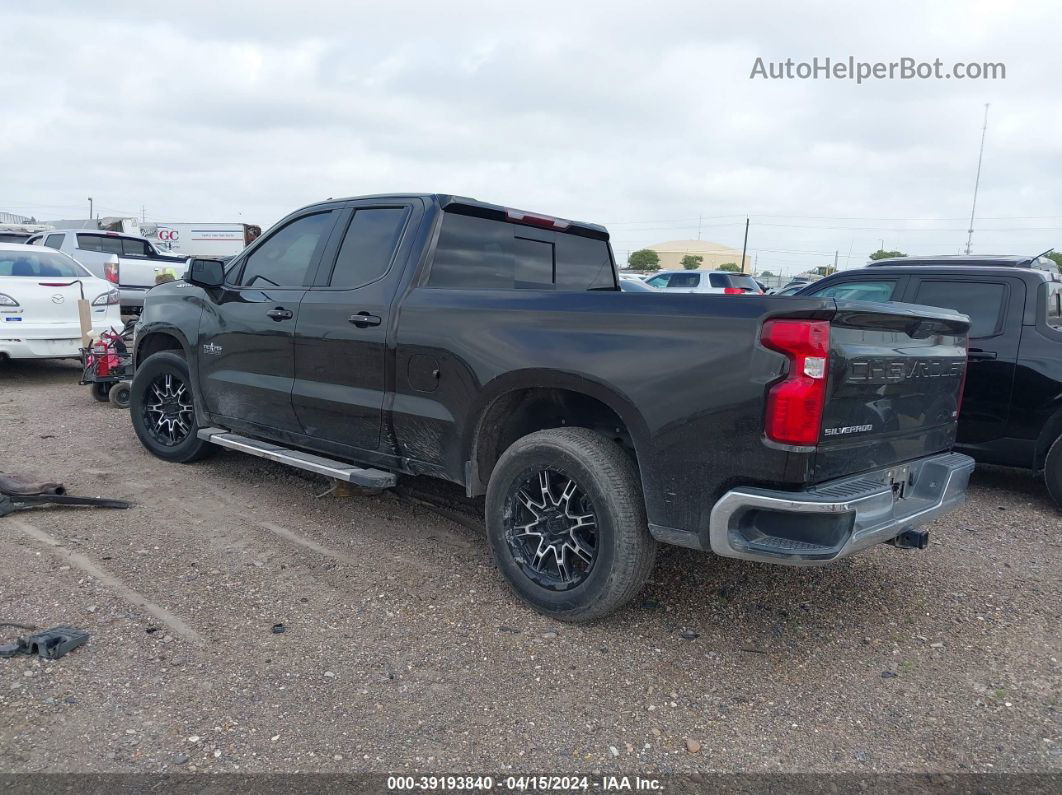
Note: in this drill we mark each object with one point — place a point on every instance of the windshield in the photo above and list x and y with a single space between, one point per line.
36 265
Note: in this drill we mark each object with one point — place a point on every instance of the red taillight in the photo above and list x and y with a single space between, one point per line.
732 291
110 272
794 404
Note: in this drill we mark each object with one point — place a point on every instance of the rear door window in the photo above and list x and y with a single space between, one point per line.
88 242
984 302
54 241
880 290
688 281
368 246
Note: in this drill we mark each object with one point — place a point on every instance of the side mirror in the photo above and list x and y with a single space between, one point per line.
206 272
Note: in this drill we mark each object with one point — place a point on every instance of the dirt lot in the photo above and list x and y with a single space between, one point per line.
403 649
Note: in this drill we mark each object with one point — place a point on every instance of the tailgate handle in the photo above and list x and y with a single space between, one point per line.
978 353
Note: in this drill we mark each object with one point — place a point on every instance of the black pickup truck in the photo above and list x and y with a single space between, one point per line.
435 335
1012 404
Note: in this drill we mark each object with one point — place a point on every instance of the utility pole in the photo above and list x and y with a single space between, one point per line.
143 214
700 218
977 181
745 245
90 206
835 260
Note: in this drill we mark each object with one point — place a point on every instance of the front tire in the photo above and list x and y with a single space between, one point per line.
100 390
566 523
1053 472
163 412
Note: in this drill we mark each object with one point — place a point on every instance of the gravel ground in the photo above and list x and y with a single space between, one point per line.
404 650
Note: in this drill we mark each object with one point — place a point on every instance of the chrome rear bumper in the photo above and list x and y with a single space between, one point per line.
836 519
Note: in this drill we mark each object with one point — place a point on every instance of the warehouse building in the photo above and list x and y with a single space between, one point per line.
671 253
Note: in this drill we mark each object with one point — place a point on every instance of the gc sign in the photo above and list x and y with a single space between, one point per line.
169 235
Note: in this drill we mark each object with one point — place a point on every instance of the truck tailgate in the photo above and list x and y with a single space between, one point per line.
895 378
136 272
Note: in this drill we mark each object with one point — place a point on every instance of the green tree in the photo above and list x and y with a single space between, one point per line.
692 261
729 266
1057 259
883 254
644 259
766 275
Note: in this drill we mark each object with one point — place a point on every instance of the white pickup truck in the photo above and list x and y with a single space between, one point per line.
131 263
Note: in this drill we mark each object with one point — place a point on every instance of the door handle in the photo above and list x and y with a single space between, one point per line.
280 313
364 320
976 353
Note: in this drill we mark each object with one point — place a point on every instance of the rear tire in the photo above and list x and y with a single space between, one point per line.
100 390
1053 472
119 395
163 412
566 523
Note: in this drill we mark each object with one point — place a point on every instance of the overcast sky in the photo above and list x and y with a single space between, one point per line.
639 119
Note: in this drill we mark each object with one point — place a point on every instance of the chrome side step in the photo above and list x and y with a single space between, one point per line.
369 478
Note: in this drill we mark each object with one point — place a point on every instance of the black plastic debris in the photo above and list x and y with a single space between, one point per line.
51 644
17 494
279 629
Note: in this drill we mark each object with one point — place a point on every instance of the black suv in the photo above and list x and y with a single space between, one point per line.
1012 407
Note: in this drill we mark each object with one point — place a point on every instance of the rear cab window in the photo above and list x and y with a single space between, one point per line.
132 247
54 241
485 253
984 302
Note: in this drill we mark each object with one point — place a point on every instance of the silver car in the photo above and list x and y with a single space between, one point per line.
726 282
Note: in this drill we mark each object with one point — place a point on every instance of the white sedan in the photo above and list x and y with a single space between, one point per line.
39 292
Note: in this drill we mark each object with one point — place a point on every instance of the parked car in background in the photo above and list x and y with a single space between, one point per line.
724 282
632 284
14 237
139 265
437 335
1012 408
39 293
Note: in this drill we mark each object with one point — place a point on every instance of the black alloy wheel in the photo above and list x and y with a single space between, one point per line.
552 529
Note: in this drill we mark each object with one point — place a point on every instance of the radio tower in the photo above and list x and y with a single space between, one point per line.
977 181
